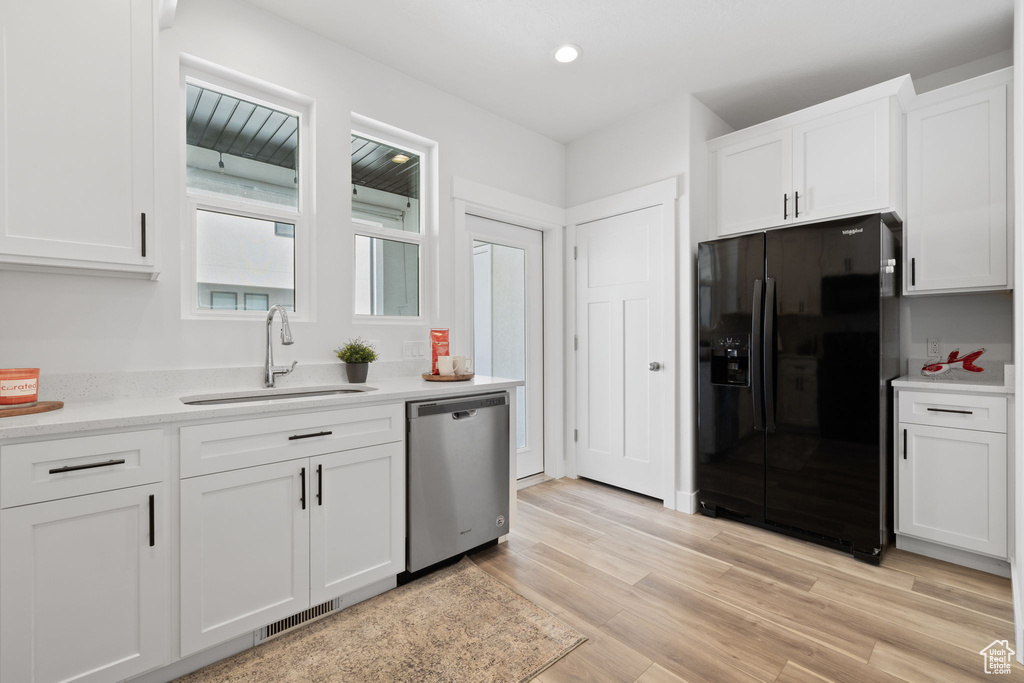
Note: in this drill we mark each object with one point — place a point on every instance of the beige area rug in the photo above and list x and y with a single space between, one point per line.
457 624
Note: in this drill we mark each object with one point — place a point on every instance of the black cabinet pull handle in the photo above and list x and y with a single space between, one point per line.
904 444
75 468
796 204
302 476
152 520
143 235
785 206
946 410
308 436
319 484
913 272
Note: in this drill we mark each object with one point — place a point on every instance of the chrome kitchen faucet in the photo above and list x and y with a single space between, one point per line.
272 371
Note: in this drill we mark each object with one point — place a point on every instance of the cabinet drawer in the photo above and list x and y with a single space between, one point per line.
48 470
206 449
984 413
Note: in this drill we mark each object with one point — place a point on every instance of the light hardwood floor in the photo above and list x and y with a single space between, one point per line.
666 597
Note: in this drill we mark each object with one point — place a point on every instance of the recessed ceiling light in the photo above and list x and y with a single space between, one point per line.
567 53
400 158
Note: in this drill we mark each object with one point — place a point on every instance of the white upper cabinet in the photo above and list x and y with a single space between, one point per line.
839 158
957 232
754 178
841 163
76 136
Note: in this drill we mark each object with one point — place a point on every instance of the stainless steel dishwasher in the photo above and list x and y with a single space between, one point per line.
458 490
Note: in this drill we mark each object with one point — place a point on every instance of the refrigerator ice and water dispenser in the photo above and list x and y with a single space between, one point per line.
730 359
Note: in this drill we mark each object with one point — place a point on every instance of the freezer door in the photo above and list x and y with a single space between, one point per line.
823 407
730 464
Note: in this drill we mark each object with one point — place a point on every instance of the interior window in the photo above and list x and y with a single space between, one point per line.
240 149
387 221
245 195
246 257
387 278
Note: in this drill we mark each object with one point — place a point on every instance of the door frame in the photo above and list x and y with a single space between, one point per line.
664 193
470 197
530 242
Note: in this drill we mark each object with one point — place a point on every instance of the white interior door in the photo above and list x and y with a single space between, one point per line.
508 324
619 321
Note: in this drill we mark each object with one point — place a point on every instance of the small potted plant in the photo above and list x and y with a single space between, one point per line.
357 356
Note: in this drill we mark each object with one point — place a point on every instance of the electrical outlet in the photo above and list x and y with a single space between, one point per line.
934 348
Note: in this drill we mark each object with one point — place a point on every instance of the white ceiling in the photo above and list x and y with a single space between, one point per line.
748 60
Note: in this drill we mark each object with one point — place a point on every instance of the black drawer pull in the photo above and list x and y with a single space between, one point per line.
945 410
904 444
308 436
75 468
152 520
319 484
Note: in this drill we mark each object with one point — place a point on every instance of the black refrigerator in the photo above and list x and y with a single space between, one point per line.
798 344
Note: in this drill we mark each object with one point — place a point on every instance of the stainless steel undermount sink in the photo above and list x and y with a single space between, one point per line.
272 395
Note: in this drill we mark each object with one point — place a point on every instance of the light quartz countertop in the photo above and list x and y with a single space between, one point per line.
990 381
985 386
120 413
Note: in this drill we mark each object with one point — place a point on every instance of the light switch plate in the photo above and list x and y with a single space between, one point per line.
414 350
934 348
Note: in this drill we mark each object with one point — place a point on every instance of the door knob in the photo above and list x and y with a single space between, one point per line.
655 366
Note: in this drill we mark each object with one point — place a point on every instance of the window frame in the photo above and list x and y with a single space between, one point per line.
204 74
424 239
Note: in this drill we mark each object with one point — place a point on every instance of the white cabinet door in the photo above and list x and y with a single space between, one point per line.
753 183
957 218
952 487
841 163
76 133
357 519
244 551
83 587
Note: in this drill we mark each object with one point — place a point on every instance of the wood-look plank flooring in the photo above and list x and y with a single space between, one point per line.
666 597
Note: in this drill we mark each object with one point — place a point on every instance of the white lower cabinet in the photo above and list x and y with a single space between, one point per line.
244 551
83 592
262 543
951 478
357 519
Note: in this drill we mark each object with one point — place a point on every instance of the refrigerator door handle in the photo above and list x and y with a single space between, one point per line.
768 347
756 384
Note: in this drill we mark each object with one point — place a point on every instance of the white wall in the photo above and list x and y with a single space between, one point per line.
665 141
637 151
941 79
66 323
962 321
1017 559
704 125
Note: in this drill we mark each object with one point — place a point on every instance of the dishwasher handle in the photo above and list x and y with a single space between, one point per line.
463 414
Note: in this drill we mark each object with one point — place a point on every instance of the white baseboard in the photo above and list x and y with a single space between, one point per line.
686 501
197 661
244 642
964 558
